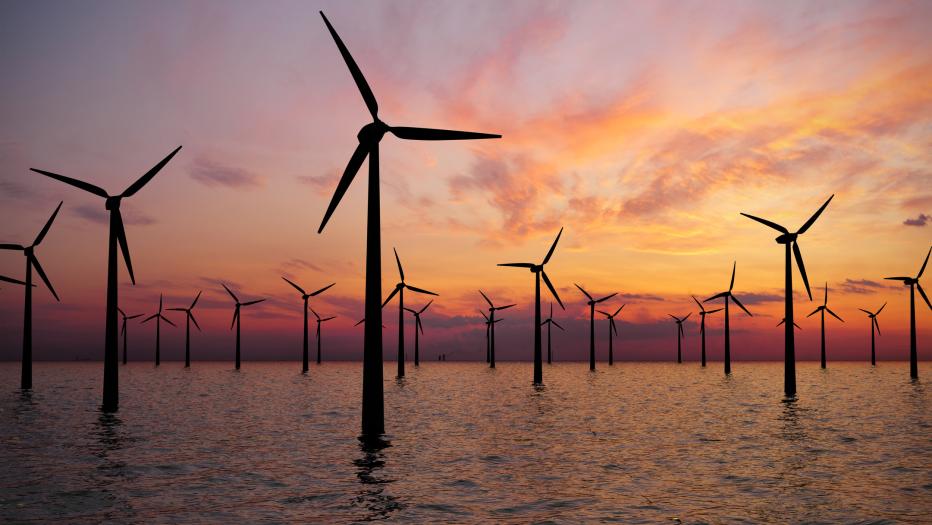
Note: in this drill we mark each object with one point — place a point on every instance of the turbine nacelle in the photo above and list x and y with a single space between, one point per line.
113 203
787 238
372 133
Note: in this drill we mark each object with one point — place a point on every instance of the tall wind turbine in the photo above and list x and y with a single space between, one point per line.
490 325
549 321
790 241
373 411
158 330
236 318
874 324
702 313
418 326
319 321
31 261
913 283
126 318
189 316
679 335
611 328
538 271
729 295
111 390
306 296
824 308
400 290
592 302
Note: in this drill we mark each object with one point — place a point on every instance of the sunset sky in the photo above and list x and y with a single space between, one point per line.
642 128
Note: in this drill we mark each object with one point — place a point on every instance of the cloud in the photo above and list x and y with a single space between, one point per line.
862 286
101 216
921 220
295 264
758 298
322 184
211 173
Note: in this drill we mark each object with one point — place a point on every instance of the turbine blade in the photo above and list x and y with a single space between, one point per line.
135 316
18 247
698 303
917 276
151 317
401 272
298 288
409 133
618 311
74 182
419 325
583 291
881 309
554 323
674 317
687 316
876 324
195 301
552 247
707 312
322 290
420 290
815 311
48 225
352 167
360 80
607 297
897 278
410 310
518 265
829 310
394 291
45 279
797 326
136 186
484 316
737 302
124 247
551 288
765 222
865 311
486 298
177 309
123 329
781 322
257 301
166 320
425 306
733 268
802 267
716 296
825 302
191 315
359 322
614 328
325 319
160 302
504 307
924 296
814 216
229 292
235 315
121 311
315 314
606 314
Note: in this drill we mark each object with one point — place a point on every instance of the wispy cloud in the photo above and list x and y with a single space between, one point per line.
862 286
921 220
211 173
101 216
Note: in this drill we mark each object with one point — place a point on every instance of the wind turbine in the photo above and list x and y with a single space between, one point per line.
189 316
400 290
679 335
488 338
111 390
490 324
236 318
790 241
373 412
702 313
611 328
123 329
31 261
874 324
319 320
549 321
306 296
913 283
729 295
824 308
592 302
418 326
538 271
158 330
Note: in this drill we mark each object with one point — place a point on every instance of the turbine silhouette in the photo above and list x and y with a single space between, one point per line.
913 283
400 290
158 330
32 261
373 412
592 302
418 326
319 321
824 308
549 321
111 390
490 325
488 344
794 324
306 296
538 271
702 313
680 334
874 324
12 281
790 241
123 329
611 329
236 318
728 295
189 316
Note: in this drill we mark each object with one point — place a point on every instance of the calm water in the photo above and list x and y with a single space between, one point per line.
635 443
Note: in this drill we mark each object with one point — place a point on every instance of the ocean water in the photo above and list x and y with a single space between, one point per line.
633 443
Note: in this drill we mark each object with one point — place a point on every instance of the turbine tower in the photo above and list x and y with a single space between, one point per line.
702 313
400 290
592 302
824 308
913 283
728 295
680 334
306 296
611 328
319 321
158 330
874 324
189 316
236 318
123 329
418 326
490 324
549 321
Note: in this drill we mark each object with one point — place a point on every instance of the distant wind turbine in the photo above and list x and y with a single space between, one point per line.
488 337
111 390
702 313
874 324
728 295
490 325
31 262
592 302
306 296
123 329
236 318
913 283
824 308
680 334
790 241
611 328
400 290
418 326
158 330
189 316
319 321
373 411
549 321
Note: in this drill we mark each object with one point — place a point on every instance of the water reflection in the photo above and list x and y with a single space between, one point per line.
373 497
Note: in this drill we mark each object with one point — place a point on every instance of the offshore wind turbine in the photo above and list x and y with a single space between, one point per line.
236 318
490 325
373 408
549 321
538 271
592 302
306 296
418 326
319 321
111 390
611 328
189 316
913 283
874 324
126 318
702 313
32 261
790 240
679 335
824 308
400 290
158 330
488 337
728 295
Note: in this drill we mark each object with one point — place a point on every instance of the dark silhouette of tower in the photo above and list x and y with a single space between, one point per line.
123 329
306 296
913 283
702 313
679 335
319 321
728 295
236 319
611 329
400 290
874 324
490 324
158 330
489 338
824 308
592 302
549 321
189 316
418 326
